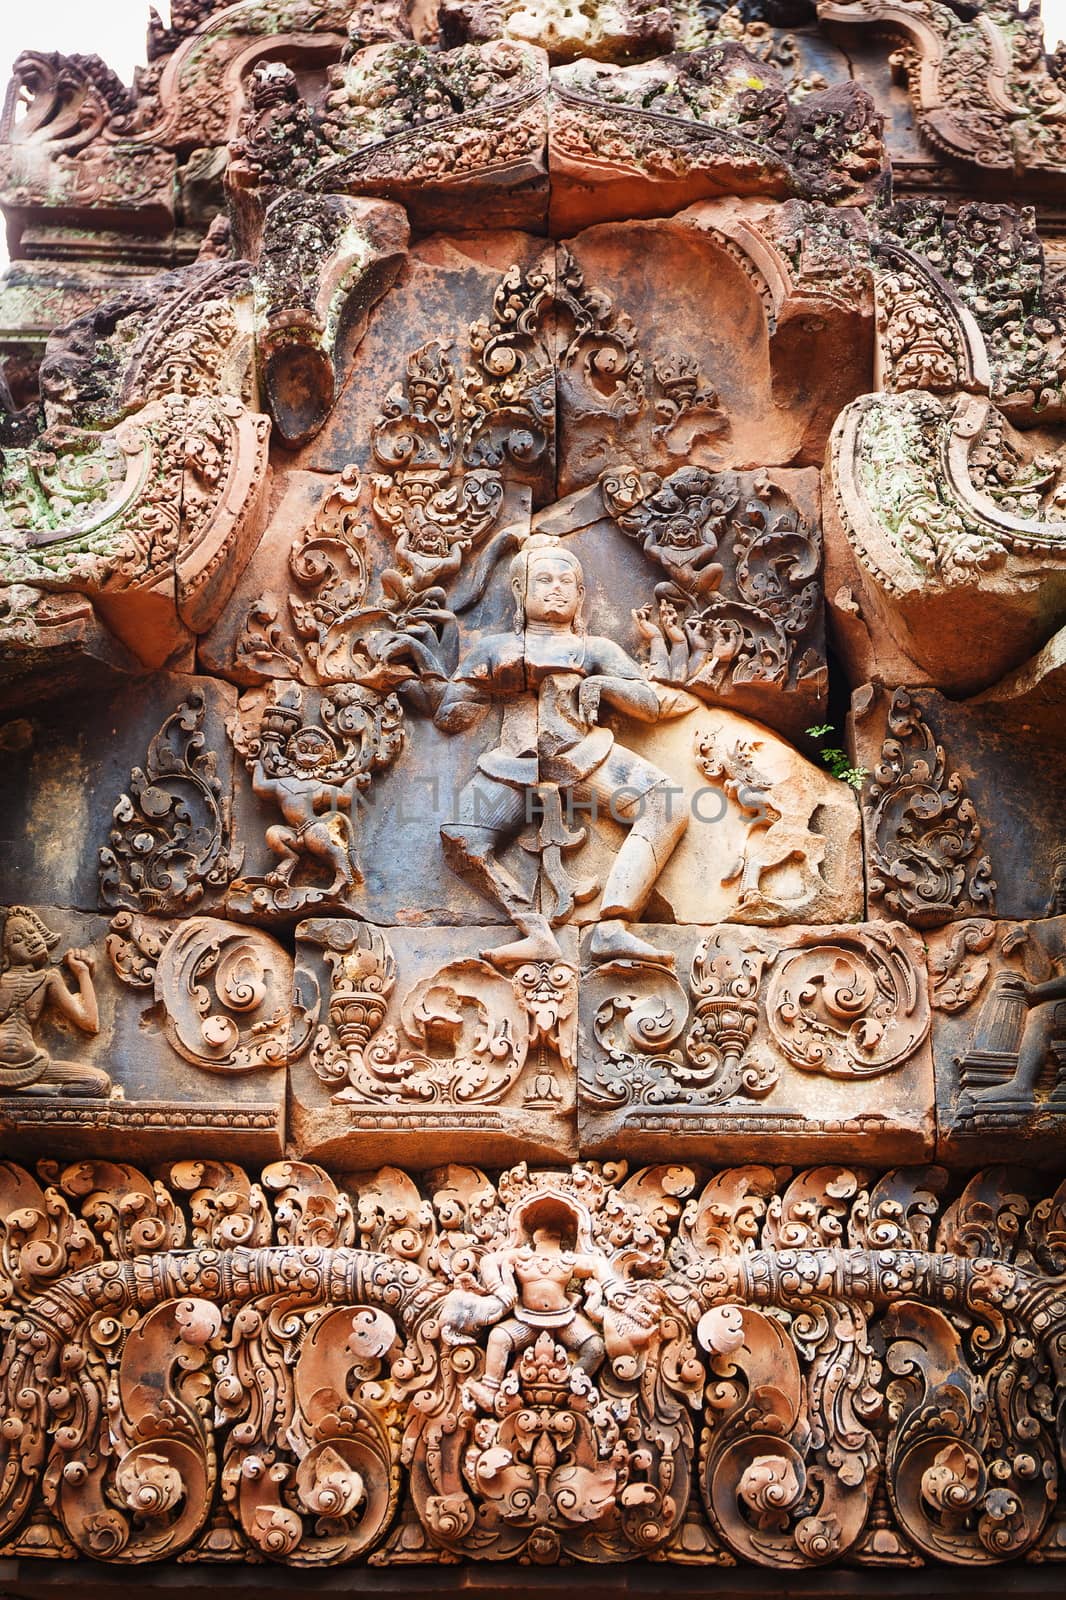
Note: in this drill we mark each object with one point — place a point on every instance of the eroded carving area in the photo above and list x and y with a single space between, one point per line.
533 890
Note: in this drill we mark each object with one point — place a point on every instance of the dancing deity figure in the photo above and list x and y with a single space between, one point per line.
553 679
542 1280
29 985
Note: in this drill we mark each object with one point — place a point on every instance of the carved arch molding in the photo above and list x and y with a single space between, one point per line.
780 1370
533 901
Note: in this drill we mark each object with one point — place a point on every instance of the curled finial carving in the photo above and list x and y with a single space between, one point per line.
924 831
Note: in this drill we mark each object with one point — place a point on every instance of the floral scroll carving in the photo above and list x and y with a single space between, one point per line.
171 841
225 992
460 1037
578 1361
851 1006
924 831
843 1004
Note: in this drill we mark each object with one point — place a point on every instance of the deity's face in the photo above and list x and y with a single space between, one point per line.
554 590
24 946
547 1238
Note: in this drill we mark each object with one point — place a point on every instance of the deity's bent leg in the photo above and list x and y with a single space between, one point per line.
283 842
507 1340
659 819
1042 1025
586 1343
489 814
74 1079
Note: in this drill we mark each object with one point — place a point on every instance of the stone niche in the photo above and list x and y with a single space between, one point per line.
533 888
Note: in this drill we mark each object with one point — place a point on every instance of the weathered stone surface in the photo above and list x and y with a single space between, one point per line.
101 1057
999 1036
323 262
448 135
424 1038
1035 692
970 301
956 527
760 1044
143 771
54 644
647 140
961 808
429 437
727 299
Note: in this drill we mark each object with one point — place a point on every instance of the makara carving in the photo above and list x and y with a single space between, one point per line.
578 1362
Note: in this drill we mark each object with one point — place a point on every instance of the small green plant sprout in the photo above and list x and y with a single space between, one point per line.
836 759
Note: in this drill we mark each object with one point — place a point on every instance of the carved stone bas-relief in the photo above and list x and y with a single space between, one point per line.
961 805
573 1362
122 1033
420 1038
1000 1030
817 1034
533 895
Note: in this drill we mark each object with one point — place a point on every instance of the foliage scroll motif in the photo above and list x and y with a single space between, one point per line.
546 1363
170 841
923 827
845 1003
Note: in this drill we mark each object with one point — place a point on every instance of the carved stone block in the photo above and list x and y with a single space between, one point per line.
998 992
127 186
712 579
142 1036
422 1038
961 806
121 798
970 80
691 341
646 140
448 135
956 530
54 644
336 811
804 1044
483 302
592 1364
770 839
